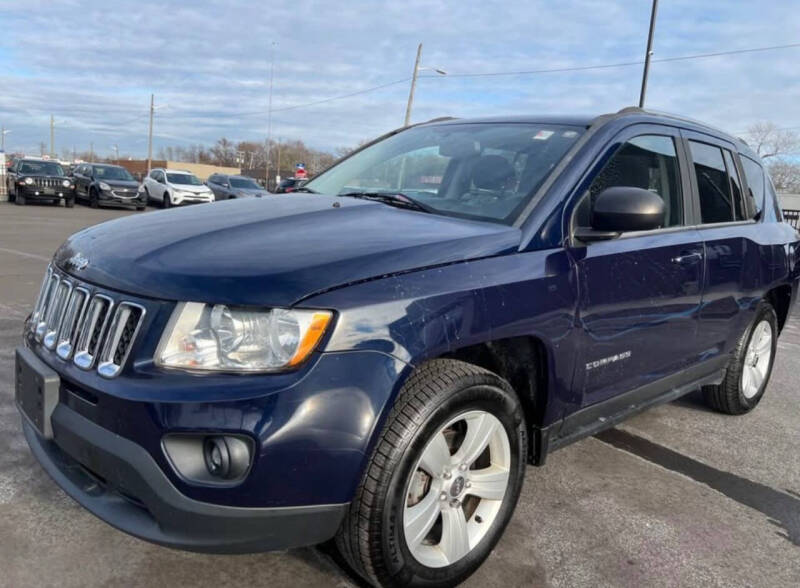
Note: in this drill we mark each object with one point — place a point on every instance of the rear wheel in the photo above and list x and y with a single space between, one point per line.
750 367
442 482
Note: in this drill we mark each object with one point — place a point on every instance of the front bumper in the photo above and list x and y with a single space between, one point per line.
119 482
115 198
34 192
185 198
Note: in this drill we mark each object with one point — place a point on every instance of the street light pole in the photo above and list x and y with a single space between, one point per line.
269 116
150 137
3 133
52 137
413 86
649 53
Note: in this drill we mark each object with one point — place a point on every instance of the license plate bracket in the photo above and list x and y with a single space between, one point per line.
35 391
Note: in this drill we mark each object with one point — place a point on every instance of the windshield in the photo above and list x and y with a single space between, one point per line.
486 171
245 184
41 168
112 173
184 179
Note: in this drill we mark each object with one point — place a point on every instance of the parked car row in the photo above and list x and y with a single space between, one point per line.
100 184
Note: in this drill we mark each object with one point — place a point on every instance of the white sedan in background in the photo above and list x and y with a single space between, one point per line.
175 187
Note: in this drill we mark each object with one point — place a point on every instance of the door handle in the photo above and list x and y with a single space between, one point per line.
687 258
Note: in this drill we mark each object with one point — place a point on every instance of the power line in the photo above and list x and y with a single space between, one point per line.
618 64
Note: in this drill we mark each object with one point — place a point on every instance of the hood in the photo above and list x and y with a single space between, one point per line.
121 183
254 253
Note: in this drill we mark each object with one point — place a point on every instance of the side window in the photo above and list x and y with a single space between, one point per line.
649 162
755 183
736 187
713 186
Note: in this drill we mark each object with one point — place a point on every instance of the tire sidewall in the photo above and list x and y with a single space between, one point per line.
764 312
397 556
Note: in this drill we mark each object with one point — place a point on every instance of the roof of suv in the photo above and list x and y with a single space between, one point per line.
634 113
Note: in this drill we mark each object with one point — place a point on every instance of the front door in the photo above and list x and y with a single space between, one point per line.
639 294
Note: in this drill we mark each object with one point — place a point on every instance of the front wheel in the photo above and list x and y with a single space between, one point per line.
166 202
750 367
19 200
442 482
70 202
94 200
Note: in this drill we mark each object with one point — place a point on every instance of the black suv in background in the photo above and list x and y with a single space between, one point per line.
226 187
290 185
39 180
107 185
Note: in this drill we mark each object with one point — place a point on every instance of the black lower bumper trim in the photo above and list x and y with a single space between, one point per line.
128 490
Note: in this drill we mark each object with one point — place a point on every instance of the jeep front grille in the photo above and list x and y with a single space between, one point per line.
88 328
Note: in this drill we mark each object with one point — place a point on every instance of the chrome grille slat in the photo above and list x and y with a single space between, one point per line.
89 328
47 305
119 340
56 313
92 330
68 331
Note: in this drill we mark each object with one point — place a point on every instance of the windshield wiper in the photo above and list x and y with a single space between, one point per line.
392 199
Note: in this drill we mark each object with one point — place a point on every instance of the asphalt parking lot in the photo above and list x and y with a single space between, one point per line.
678 496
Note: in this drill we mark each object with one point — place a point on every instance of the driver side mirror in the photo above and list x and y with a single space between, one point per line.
622 209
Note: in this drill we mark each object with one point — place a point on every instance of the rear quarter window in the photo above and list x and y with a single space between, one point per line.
754 174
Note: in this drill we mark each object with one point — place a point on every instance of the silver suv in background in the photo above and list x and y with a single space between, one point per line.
172 187
227 186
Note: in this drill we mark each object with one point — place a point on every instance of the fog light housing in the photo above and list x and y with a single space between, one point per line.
209 460
226 457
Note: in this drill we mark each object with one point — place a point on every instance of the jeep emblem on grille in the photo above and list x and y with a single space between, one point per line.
78 262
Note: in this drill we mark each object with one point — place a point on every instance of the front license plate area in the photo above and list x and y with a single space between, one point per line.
35 391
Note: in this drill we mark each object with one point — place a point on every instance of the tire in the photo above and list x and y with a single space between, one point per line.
166 202
458 398
93 199
140 208
750 368
19 200
70 202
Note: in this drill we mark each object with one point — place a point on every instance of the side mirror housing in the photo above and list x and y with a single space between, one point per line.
621 209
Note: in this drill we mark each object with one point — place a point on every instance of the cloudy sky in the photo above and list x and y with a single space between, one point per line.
94 64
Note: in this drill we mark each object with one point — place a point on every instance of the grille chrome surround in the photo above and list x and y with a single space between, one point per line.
89 329
121 335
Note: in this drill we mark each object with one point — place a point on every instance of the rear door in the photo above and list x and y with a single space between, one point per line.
738 255
639 294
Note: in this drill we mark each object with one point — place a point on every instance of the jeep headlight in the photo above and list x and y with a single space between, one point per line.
28 181
228 338
65 183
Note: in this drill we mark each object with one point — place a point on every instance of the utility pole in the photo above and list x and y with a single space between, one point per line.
52 137
91 152
116 152
413 86
150 138
278 172
269 115
649 53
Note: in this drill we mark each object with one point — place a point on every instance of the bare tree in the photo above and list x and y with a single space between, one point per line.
770 141
785 175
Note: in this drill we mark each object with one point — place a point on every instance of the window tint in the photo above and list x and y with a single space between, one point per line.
713 186
755 183
649 162
736 187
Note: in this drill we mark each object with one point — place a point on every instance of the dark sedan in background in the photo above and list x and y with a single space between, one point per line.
288 185
226 187
107 185
39 180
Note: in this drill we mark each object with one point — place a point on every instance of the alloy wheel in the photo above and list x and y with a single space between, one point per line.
457 488
757 359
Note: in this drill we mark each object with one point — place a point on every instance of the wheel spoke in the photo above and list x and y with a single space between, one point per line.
420 518
764 343
455 537
436 457
480 429
746 378
489 482
758 375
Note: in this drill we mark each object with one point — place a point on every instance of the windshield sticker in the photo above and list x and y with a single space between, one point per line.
543 135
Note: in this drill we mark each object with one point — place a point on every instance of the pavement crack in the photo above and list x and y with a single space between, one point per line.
780 508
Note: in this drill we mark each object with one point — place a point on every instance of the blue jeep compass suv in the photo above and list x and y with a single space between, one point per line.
375 358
